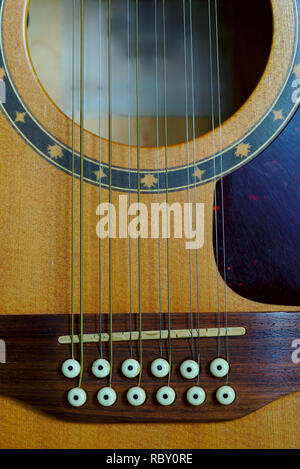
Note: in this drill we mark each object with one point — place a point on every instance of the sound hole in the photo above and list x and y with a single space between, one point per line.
244 32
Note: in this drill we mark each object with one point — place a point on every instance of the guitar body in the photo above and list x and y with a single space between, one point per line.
243 279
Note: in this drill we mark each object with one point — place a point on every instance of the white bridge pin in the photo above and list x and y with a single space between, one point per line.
225 395
77 397
196 395
101 368
70 368
136 396
130 368
166 396
107 396
189 369
160 368
219 367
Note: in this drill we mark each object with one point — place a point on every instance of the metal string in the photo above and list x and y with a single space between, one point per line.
100 180
81 186
138 187
195 185
73 167
110 197
222 184
129 172
188 162
158 181
214 166
167 185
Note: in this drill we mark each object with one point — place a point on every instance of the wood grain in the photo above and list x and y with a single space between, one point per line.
273 427
261 364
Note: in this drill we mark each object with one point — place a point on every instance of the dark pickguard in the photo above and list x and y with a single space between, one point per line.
262 223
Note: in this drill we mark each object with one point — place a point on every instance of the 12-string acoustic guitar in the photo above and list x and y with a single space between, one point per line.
150 248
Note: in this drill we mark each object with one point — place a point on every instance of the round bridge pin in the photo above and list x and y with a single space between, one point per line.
160 368
196 395
130 368
77 397
101 368
166 396
107 396
225 395
136 396
70 368
189 369
219 367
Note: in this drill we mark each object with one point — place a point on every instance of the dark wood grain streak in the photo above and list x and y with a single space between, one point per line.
261 367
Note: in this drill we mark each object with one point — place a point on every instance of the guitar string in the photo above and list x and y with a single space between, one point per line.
138 187
129 175
81 188
188 169
100 177
195 185
73 170
214 166
158 180
222 186
167 188
81 154
110 198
